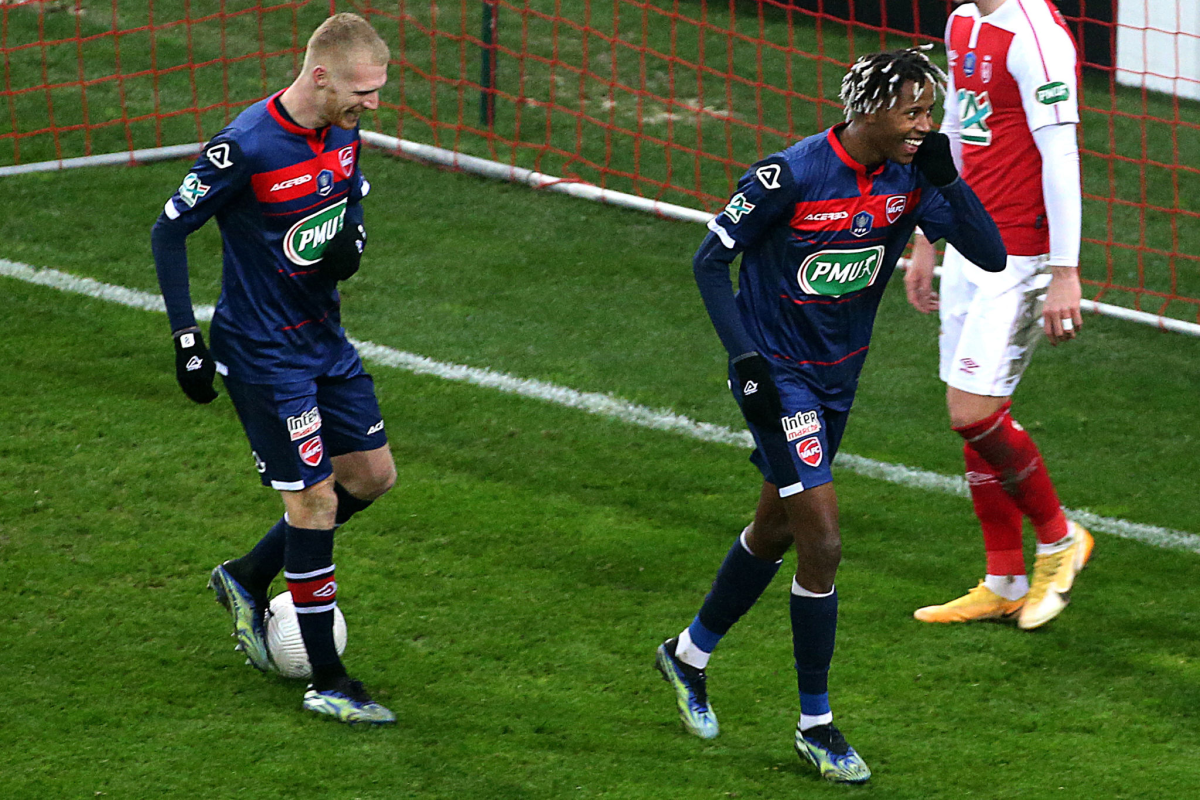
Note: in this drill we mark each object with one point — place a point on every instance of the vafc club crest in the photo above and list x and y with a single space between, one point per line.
810 451
862 223
895 207
969 64
346 159
324 182
311 451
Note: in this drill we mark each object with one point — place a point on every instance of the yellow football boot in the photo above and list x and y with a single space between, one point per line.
1053 575
979 603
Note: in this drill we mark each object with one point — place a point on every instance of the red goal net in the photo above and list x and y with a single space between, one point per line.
669 99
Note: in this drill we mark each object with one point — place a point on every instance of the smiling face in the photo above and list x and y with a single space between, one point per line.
349 90
897 132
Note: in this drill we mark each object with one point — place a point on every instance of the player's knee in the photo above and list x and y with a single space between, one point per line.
313 507
380 483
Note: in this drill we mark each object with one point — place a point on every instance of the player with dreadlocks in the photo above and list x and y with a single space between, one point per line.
820 227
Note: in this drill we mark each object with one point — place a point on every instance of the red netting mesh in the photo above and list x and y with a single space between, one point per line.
663 98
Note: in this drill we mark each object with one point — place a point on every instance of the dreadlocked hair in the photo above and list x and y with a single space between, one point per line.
875 80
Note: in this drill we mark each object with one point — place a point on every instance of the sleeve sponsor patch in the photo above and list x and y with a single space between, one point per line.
738 207
192 189
1050 93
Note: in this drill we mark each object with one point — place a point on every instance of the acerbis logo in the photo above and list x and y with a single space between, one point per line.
298 181
768 176
218 154
827 215
328 590
305 241
376 428
838 272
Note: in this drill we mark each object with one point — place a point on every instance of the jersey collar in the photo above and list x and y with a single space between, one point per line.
316 138
864 178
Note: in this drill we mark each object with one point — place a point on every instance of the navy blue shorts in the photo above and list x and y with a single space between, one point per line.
798 454
295 428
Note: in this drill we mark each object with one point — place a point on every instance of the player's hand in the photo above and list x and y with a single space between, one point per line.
760 398
343 252
1061 317
194 367
934 159
918 276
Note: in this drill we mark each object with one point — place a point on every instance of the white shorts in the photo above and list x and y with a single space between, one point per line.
990 322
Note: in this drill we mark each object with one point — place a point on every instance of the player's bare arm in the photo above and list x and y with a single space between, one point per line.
918 277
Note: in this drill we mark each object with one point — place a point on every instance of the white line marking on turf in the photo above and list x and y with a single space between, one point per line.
604 405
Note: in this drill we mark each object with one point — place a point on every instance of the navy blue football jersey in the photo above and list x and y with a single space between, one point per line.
820 237
279 192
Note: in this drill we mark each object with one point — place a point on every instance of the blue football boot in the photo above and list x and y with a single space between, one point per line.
247 611
348 702
826 749
691 693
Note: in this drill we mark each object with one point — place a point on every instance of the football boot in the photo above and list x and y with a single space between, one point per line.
1053 575
691 691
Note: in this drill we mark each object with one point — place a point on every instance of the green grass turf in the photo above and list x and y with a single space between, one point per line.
506 598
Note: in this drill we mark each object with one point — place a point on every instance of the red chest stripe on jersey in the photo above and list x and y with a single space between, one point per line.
838 215
299 180
846 357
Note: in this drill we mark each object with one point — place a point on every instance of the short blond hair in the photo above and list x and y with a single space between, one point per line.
344 38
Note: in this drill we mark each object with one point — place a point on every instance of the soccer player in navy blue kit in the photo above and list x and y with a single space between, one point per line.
820 227
284 183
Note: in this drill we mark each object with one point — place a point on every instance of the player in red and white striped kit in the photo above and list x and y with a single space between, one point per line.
1012 111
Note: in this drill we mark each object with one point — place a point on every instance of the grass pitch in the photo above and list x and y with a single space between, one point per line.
506 598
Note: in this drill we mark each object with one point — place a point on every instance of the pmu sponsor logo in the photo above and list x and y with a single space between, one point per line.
311 451
895 207
288 184
810 451
1050 93
838 272
305 241
306 424
824 216
800 424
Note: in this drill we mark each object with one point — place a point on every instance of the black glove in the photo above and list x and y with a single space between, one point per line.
760 398
194 367
934 159
344 251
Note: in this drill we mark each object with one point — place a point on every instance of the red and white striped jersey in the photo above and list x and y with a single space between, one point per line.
1011 72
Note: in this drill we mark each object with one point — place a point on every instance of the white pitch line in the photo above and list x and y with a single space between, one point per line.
604 405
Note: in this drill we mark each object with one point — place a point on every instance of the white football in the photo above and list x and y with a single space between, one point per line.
284 642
